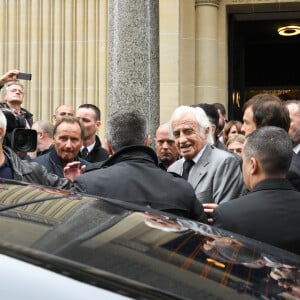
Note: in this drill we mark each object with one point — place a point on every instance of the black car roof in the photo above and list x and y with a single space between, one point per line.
136 250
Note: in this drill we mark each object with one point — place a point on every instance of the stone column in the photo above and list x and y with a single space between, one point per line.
207 51
133 75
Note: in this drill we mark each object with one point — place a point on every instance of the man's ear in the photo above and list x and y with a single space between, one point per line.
147 140
41 134
109 148
213 129
1 134
98 124
254 165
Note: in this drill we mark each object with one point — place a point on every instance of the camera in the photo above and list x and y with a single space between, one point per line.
17 137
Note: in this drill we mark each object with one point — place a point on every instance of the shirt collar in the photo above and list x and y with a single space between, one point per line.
296 149
90 147
199 154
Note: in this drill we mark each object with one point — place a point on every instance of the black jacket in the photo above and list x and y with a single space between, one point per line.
132 174
270 213
97 154
33 172
294 172
27 115
53 163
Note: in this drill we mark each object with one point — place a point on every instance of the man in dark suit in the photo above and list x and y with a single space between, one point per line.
90 118
270 212
214 174
132 173
268 110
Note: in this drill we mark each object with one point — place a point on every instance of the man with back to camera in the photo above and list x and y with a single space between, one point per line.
12 167
214 174
132 173
165 146
270 212
67 140
268 110
90 118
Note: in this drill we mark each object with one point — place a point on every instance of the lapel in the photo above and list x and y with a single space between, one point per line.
200 169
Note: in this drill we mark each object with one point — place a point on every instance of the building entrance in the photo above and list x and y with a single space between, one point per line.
261 60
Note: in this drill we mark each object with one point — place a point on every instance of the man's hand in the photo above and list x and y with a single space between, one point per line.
73 169
209 210
9 76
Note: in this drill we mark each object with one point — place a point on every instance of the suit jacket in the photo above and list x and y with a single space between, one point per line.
293 174
216 177
97 154
270 213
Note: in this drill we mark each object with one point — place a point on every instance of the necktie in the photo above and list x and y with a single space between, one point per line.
186 168
84 152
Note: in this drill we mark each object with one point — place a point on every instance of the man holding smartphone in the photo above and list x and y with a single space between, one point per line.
13 95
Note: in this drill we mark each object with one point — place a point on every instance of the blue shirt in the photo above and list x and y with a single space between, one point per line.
6 170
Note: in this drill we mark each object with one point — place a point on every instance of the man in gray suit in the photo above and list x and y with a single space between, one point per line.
215 174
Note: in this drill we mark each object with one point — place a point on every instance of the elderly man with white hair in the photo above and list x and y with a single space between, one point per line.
214 174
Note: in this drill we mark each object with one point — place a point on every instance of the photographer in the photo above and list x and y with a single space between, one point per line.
13 95
12 167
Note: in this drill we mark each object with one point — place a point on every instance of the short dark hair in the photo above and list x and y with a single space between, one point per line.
272 146
94 108
126 128
269 110
221 107
211 113
70 120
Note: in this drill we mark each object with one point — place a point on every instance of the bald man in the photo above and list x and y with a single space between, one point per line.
165 146
62 111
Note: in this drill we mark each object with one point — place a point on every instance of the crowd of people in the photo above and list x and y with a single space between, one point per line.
240 176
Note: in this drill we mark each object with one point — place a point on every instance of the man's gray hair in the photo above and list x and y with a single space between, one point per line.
200 116
127 128
8 84
272 147
45 126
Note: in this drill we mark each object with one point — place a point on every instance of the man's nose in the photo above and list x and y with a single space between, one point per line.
165 145
69 143
243 128
182 137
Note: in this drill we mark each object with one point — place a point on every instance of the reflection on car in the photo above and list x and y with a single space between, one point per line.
86 245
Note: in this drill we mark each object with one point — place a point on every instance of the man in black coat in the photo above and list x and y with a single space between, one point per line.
270 211
132 173
90 118
67 140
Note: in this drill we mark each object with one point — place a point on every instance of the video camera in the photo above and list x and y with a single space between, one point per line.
17 137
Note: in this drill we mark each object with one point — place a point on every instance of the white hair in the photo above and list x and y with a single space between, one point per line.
201 118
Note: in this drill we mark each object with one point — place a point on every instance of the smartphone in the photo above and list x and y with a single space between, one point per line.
24 76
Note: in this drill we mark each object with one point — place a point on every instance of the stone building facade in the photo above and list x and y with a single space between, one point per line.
65 44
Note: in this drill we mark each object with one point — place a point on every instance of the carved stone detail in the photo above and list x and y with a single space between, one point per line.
215 3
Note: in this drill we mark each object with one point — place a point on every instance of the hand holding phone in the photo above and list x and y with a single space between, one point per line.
24 76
